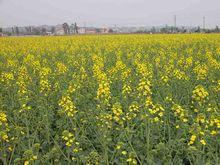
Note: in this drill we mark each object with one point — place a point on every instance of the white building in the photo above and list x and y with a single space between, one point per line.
59 30
104 30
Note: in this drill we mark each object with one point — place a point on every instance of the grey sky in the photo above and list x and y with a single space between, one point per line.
109 12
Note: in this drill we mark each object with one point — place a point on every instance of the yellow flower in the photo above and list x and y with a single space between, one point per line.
213 133
202 133
34 157
26 162
10 148
75 150
5 137
124 152
203 142
192 140
118 147
3 118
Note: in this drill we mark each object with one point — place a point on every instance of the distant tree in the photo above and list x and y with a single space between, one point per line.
164 30
43 31
28 30
66 28
53 30
198 30
208 31
12 30
110 31
217 30
35 31
76 28
16 30
8 33
0 30
174 29
153 30
97 30
72 30
184 30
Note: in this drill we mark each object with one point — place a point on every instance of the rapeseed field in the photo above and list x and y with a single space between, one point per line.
110 99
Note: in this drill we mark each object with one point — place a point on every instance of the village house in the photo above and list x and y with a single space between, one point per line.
82 30
104 30
91 31
59 30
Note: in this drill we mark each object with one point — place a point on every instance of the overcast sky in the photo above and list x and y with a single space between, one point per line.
109 12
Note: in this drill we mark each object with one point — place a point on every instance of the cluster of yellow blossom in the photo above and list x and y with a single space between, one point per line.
68 138
157 113
117 113
22 82
192 140
201 71
132 111
4 127
180 74
180 113
200 94
71 143
104 120
126 90
45 86
29 157
144 87
61 68
7 78
67 106
103 92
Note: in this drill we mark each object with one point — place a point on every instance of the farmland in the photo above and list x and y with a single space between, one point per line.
110 99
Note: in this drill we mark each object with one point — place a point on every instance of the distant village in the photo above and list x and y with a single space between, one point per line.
71 29
61 29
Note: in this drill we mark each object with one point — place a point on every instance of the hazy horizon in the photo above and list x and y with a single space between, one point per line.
109 12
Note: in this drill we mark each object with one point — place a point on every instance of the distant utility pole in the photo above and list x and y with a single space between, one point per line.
175 21
84 26
174 29
203 22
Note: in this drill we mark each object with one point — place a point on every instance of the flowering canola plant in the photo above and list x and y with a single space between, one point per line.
111 99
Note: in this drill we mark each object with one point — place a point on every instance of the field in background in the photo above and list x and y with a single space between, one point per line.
112 99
